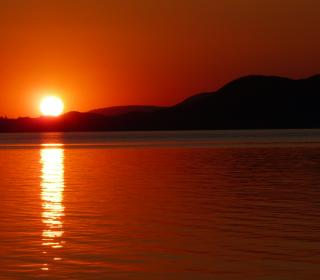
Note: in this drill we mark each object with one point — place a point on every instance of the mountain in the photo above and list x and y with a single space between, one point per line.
122 110
252 102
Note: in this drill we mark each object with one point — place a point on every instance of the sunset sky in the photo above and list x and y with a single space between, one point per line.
98 53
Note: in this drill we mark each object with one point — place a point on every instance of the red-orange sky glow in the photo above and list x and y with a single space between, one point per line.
99 53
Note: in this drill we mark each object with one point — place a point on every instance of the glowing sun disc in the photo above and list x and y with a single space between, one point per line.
51 106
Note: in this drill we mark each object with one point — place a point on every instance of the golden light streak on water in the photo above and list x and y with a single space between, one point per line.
52 187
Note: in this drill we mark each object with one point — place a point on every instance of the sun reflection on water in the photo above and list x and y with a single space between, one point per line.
52 187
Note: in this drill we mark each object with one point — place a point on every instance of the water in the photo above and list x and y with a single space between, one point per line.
160 205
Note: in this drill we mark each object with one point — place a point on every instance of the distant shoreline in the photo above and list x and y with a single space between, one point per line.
251 102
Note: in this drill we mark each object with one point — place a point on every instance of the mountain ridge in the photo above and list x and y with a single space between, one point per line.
122 110
250 102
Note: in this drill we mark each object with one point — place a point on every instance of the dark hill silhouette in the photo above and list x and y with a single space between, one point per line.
246 103
122 110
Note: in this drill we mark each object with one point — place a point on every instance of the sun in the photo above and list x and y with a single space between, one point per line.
51 106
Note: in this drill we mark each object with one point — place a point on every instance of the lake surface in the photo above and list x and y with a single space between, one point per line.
160 205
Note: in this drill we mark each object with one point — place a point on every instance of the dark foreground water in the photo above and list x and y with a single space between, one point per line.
160 205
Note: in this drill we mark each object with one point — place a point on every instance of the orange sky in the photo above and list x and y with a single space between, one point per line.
97 53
